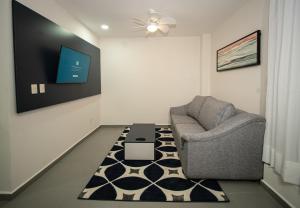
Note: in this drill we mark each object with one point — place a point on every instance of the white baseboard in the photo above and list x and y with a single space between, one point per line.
46 166
277 193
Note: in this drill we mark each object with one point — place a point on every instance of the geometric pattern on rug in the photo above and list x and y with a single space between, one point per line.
140 180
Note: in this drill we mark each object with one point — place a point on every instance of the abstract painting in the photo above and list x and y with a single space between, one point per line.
241 53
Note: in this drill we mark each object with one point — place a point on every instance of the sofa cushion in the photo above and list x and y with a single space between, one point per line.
194 107
180 119
181 129
214 112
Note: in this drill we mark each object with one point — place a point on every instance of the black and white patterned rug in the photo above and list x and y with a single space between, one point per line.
158 180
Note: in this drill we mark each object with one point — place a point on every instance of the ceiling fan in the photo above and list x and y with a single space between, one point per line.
155 22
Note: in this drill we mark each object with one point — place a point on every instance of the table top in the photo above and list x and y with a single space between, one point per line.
141 133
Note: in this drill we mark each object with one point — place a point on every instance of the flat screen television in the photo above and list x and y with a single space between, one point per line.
73 66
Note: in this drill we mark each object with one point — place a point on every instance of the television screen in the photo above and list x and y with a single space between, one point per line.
73 66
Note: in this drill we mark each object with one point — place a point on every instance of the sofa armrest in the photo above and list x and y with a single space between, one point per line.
179 110
232 150
224 129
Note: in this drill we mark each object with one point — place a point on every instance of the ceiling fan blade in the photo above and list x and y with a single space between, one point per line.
139 26
154 16
137 29
138 21
167 21
164 28
152 11
154 19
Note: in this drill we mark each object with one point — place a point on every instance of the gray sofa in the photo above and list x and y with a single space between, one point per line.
216 140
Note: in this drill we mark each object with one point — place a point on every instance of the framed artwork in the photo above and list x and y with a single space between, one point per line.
241 53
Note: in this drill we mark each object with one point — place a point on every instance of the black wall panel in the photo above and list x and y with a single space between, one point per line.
37 42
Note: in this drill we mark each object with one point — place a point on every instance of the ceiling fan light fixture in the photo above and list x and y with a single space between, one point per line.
152 27
155 22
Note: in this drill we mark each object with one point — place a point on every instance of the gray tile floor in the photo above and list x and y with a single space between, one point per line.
60 185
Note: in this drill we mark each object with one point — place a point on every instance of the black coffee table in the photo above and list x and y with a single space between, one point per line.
139 142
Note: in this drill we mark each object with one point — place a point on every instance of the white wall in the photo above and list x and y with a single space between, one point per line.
205 61
246 87
36 138
243 87
143 77
4 104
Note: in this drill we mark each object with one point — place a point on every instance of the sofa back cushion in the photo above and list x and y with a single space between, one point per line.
194 107
214 112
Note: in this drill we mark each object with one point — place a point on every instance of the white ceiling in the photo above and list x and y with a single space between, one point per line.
193 16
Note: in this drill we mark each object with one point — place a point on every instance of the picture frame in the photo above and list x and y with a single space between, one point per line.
242 53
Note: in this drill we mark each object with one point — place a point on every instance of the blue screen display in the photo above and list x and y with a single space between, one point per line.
73 66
